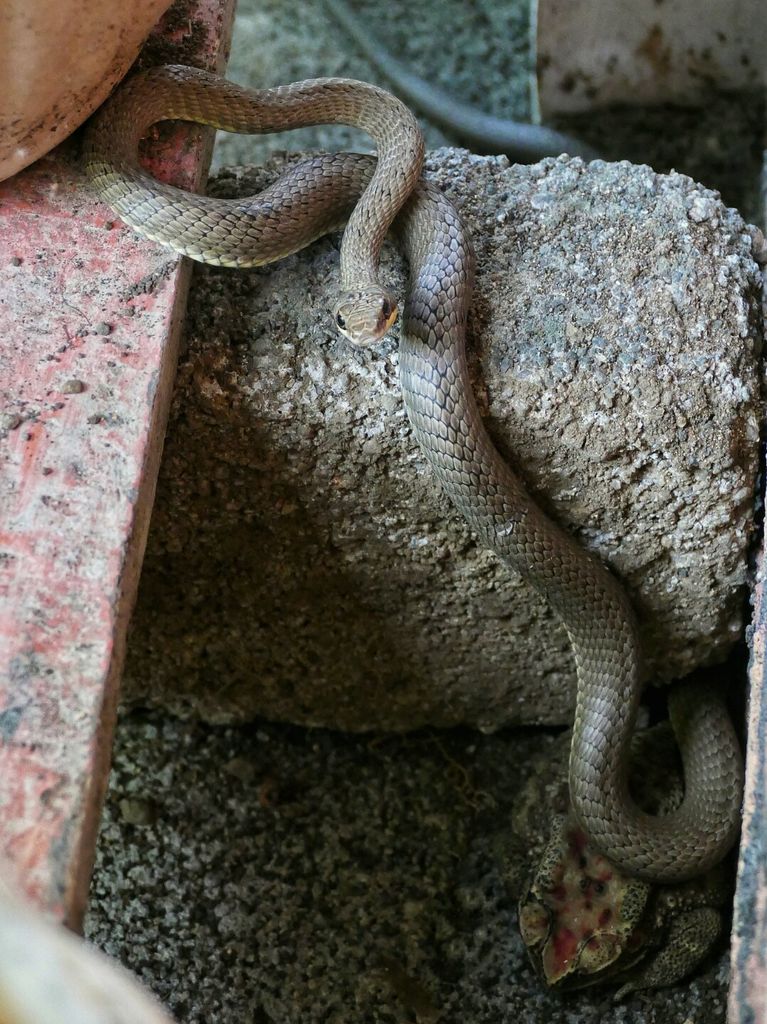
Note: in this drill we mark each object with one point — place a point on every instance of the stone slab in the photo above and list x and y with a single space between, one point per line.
305 566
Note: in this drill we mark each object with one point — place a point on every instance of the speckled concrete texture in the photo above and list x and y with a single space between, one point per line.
287 876
303 564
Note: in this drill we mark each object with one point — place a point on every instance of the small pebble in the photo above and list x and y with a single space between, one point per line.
9 420
135 811
702 208
759 247
103 328
15 261
72 387
242 768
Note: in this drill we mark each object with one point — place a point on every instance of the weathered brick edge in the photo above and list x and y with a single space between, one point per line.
89 325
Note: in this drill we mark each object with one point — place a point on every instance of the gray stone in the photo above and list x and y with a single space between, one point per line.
303 565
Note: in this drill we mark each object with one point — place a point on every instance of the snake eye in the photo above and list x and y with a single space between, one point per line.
386 308
340 321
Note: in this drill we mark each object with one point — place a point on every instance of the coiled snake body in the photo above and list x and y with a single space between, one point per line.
318 195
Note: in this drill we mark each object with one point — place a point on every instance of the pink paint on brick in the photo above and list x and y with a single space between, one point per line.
89 319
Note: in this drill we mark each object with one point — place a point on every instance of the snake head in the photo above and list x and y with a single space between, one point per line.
365 315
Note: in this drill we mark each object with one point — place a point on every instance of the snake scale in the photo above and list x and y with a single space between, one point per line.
318 195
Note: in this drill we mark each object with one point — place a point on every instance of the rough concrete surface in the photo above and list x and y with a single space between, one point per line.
274 875
303 564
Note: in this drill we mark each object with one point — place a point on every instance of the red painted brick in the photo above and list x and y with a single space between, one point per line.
89 322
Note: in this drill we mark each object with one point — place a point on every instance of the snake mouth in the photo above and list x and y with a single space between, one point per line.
387 318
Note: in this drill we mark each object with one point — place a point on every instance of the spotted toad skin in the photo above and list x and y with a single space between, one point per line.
586 922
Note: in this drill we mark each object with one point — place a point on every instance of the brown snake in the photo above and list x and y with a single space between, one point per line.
318 195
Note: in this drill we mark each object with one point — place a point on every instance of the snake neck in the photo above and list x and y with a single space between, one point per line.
181 93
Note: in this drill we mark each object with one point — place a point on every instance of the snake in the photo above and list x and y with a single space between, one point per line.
369 195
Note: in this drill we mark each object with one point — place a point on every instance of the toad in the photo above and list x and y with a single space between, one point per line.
586 922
